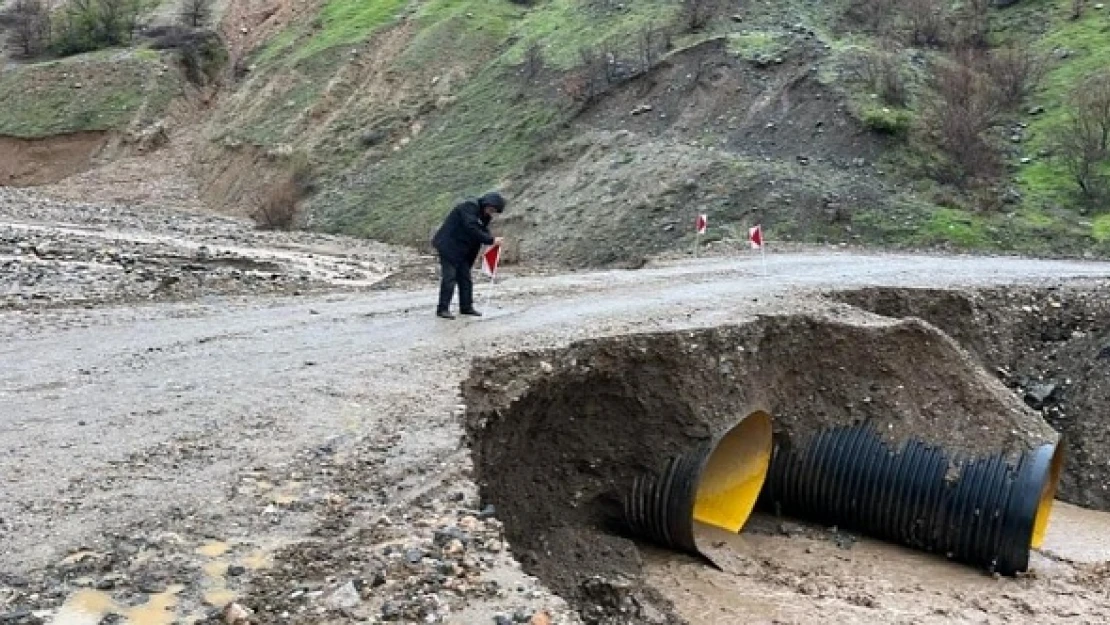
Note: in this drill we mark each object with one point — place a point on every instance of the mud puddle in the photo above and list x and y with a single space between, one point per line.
804 574
91 607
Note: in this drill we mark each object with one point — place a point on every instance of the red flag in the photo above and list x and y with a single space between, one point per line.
490 259
755 236
701 223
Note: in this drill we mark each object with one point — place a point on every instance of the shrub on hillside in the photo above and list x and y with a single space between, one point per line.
887 120
881 70
195 13
876 16
1016 72
27 24
1083 142
532 63
86 25
963 108
201 53
972 24
696 14
280 207
926 21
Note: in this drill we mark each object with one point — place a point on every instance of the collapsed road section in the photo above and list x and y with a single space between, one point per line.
882 425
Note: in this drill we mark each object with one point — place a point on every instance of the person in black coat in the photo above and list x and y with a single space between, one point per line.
463 233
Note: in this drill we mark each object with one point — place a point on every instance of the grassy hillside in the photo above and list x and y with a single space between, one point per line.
404 107
619 121
92 92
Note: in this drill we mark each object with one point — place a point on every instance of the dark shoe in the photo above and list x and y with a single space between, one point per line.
444 314
470 312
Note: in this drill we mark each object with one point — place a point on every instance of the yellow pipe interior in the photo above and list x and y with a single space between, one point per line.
1048 494
734 474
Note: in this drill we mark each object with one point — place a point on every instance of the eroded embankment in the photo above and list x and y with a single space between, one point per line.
1050 345
559 436
26 162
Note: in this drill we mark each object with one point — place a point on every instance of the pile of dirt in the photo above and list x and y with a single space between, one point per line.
1050 345
558 436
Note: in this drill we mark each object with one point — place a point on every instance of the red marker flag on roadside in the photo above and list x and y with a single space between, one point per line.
702 223
490 259
755 236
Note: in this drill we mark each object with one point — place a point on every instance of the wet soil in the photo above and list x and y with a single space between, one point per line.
787 572
320 437
559 435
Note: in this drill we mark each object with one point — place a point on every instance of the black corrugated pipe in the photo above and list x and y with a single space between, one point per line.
716 484
985 511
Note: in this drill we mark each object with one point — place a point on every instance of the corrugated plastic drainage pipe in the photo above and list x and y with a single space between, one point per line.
716 484
986 511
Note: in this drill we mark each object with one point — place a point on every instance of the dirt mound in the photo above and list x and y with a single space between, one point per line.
1051 345
559 435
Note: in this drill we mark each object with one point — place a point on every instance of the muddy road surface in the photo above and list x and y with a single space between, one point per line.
301 455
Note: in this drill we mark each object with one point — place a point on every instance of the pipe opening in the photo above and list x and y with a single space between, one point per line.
1048 495
734 474
715 484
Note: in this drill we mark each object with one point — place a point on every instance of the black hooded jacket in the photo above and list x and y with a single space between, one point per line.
463 233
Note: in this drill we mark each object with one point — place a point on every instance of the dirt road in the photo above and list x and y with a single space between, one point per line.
141 445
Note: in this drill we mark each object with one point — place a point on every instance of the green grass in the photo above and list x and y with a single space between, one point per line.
41 100
488 134
476 30
563 27
1100 229
948 225
346 22
1047 182
756 46
278 47
887 120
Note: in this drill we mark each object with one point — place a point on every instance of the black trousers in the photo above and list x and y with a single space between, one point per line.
451 274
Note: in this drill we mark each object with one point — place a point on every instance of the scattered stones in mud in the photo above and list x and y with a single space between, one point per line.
422 569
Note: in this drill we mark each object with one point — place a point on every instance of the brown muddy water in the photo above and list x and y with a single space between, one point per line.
806 575
93 607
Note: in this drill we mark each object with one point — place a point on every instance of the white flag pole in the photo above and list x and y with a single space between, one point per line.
489 289
763 254
697 240
492 275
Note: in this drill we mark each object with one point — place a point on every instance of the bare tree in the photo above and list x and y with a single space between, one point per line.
195 13
593 71
28 24
926 21
1016 72
964 108
973 24
874 15
279 208
1083 143
881 70
611 59
649 40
